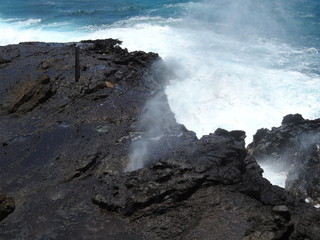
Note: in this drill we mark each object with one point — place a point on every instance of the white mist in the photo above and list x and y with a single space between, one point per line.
233 67
273 174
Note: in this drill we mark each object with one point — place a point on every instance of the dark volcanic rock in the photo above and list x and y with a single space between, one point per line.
293 147
65 147
175 177
205 189
7 206
30 94
57 135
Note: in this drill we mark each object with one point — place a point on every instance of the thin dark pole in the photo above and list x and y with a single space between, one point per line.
77 65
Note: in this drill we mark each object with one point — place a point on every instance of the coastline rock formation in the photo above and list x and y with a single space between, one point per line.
68 153
294 147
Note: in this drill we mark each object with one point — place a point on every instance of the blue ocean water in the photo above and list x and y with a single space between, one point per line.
80 14
239 64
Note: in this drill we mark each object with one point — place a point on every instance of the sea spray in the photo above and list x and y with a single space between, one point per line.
230 74
238 64
159 133
289 166
16 33
275 175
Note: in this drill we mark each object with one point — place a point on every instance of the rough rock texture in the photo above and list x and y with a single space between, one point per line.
7 206
57 135
293 147
66 146
206 189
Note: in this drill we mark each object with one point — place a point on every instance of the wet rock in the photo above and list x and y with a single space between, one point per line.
65 148
293 147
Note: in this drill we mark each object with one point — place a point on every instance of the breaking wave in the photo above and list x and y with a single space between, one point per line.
238 65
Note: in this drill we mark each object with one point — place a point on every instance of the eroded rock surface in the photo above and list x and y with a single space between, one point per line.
58 135
7 206
66 147
293 147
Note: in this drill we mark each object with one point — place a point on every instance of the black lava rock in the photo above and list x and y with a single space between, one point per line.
68 150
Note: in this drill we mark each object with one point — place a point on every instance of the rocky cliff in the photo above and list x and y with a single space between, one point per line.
72 151
294 148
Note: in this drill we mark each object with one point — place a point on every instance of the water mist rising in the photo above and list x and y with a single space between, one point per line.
158 130
235 62
292 158
238 64
243 74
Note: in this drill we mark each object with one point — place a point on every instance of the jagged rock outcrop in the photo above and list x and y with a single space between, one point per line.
66 148
293 147
206 189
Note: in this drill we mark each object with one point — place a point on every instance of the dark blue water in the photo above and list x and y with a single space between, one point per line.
67 15
239 64
297 20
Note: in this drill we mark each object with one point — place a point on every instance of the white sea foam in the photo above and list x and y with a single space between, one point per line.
22 22
223 82
29 21
133 22
220 81
14 33
228 74
11 19
273 174
180 5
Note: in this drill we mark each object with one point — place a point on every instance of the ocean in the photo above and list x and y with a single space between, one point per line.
238 64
